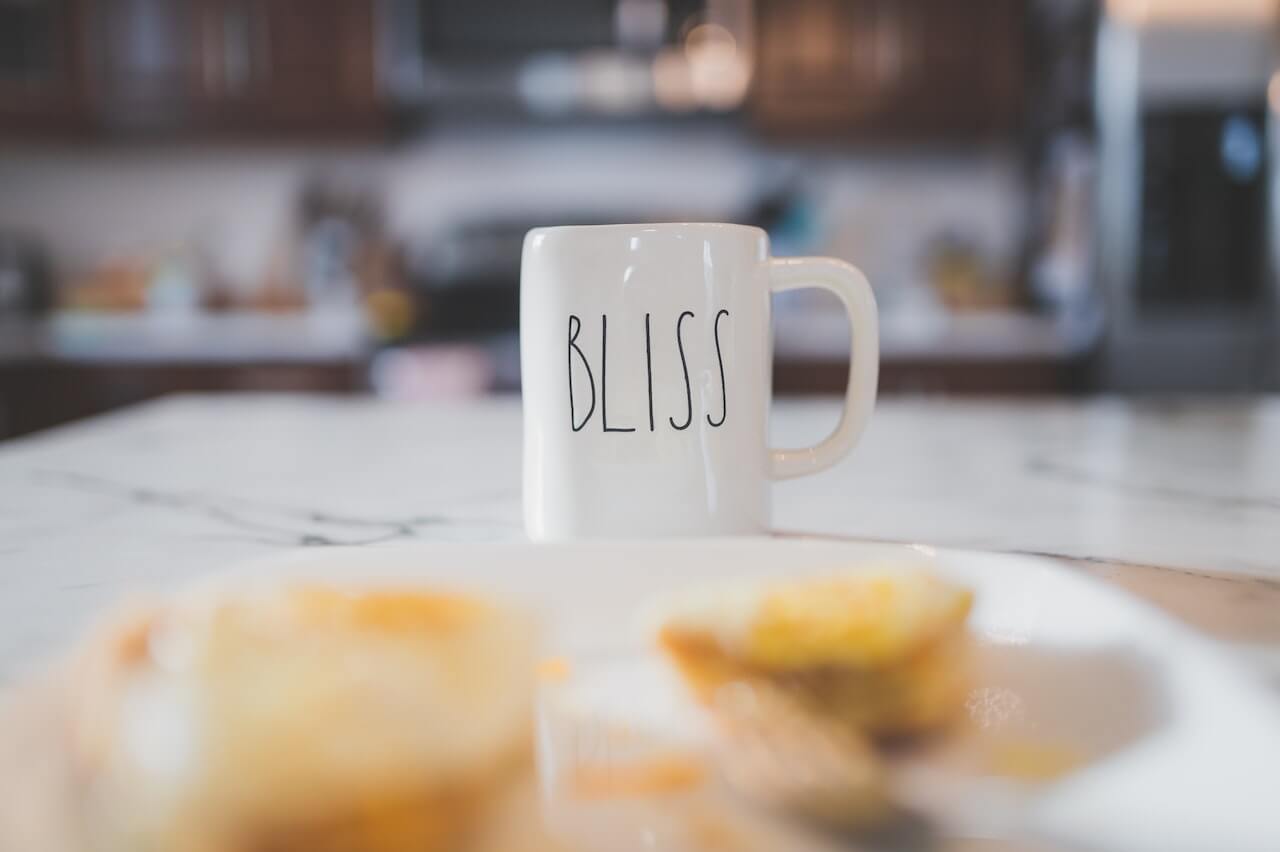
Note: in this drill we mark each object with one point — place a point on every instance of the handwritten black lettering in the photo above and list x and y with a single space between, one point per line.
601 391
684 365
724 392
604 379
575 326
648 365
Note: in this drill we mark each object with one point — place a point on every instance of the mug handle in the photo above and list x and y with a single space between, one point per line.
851 287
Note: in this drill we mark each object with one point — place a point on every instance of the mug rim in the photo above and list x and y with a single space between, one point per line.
647 226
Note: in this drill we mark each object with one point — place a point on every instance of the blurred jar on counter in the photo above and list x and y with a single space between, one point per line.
26 277
339 258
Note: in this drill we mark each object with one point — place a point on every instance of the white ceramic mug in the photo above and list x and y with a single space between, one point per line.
646 358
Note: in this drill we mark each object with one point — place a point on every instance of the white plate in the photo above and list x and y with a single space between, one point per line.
1201 771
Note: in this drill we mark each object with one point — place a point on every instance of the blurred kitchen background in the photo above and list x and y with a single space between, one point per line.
1048 195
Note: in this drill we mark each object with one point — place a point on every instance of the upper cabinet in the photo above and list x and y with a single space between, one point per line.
42 67
888 68
820 69
144 63
188 67
288 65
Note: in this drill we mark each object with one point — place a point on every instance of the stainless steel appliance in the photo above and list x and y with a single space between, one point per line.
1184 229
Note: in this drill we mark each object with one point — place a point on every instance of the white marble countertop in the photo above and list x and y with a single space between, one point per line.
1178 501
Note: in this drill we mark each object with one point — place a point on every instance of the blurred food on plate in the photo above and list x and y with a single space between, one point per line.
883 652
806 676
297 716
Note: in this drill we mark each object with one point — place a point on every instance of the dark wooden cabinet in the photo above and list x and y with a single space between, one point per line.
188 67
43 74
824 69
888 68
144 59
288 65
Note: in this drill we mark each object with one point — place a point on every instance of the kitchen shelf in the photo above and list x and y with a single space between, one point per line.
70 366
818 336
241 337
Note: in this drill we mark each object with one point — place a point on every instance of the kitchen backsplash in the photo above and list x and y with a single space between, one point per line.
235 204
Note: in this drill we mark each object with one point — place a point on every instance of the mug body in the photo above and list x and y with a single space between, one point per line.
646 370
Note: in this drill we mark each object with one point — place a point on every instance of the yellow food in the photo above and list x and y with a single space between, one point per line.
884 651
304 717
871 622
660 776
